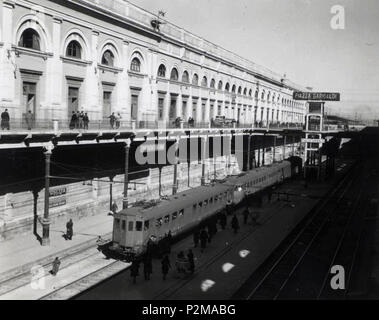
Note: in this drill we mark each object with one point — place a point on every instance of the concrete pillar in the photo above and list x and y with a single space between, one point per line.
91 100
8 61
123 91
125 200
179 105
46 219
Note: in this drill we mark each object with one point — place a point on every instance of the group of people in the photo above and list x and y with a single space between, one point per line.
79 120
183 264
115 120
191 122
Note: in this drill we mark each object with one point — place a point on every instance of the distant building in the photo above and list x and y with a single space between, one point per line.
109 56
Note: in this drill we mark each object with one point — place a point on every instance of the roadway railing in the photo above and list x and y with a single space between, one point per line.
41 125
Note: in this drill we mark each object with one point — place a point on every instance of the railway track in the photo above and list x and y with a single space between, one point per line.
331 236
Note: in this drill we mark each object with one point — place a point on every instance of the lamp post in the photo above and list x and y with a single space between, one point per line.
125 201
46 220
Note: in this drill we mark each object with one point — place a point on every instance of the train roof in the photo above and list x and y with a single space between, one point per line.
175 202
241 179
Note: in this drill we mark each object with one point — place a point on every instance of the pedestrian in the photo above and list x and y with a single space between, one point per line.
134 270
196 238
235 224
147 266
56 265
29 120
81 120
223 220
5 119
70 229
73 120
246 214
210 232
169 241
191 261
203 239
118 120
112 119
77 120
166 266
86 121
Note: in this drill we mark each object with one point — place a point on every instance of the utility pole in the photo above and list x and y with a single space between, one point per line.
203 151
125 201
46 219
175 184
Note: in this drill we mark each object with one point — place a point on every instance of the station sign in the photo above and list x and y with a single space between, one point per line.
316 96
313 140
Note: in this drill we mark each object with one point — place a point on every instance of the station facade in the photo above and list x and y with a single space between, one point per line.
104 56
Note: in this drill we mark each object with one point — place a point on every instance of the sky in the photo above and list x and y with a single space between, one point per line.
295 37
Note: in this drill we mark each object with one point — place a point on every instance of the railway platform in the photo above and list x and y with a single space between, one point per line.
19 255
220 270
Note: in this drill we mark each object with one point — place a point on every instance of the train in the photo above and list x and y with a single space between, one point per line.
147 222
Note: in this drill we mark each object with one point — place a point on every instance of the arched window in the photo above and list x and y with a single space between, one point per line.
162 71
204 82
239 90
108 58
250 92
195 79
256 94
263 95
227 87
74 50
30 39
213 84
219 85
234 88
185 77
135 65
245 92
174 74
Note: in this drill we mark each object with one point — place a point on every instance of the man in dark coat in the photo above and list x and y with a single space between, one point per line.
5 118
56 265
70 229
29 119
203 239
246 214
147 266
223 220
134 270
112 120
196 238
191 261
86 121
235 224
166 265
73 120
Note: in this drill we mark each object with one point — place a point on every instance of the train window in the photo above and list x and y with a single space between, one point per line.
174 216
139 226
210 200
181 213
159 222
167 219
130 226
146 225
117 222
123 225
200 204
216 198
194 206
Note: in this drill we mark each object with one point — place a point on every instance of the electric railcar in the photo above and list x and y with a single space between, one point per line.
133 227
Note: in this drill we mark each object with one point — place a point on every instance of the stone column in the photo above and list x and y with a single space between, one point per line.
91 101
122 88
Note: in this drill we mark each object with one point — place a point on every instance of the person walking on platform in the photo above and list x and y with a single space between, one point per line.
223 220
147 266
70 229
203 239
191 261
169 241
56 265
246 214
134 270
86 121
166 266
196 238
235 224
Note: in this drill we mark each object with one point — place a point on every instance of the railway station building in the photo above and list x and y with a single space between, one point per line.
105 56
